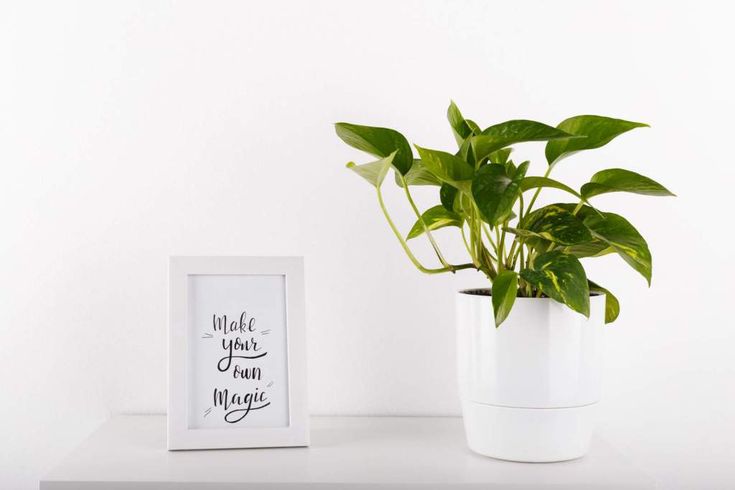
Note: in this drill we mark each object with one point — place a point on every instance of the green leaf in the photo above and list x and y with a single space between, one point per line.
380 142
445 166
531 239
594 248
621 180
612 306
504 292
473 126
461 128
435 218
617 232
467 153
500 156
418 175
509 133
534 182
556 224
598 131
561 277
620 235
373 172
524 233
447 194
495 192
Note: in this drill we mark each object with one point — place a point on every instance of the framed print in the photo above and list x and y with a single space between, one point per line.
237 353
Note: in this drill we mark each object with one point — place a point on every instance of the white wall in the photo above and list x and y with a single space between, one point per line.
130 131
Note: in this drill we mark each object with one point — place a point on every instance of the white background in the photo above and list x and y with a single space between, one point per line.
131 131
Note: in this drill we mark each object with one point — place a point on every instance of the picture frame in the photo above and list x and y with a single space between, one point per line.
237 353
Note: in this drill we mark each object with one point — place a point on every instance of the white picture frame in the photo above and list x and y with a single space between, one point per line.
242 296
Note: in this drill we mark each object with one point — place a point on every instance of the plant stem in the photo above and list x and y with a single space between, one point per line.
479 252
501 248
522 247
511 255
516 240
488 269
492 244
467 246
423 223
411 256
478 232
520 208
538 191
489 237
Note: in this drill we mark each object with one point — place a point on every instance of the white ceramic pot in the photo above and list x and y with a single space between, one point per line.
529 388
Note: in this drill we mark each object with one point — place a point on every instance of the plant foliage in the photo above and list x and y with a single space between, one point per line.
523 251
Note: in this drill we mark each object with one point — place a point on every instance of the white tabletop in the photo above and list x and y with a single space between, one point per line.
346 452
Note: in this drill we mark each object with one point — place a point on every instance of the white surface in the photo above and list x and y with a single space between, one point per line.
529 388
202 290
130 131
531 435
347 452
543 356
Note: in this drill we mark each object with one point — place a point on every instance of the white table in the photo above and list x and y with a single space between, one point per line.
347 452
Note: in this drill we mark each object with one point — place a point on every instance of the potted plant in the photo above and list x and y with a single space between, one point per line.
529 388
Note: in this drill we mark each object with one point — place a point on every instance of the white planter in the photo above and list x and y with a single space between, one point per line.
529 389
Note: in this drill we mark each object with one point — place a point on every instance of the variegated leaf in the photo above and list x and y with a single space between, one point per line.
612 306
561 277
620 235
558 225
617 232
504 292
594 248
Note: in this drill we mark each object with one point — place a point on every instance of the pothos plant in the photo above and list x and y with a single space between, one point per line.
523 251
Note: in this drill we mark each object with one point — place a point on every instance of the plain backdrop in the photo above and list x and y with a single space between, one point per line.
131 131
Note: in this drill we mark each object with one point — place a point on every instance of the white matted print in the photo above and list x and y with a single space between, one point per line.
238 367
236 353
